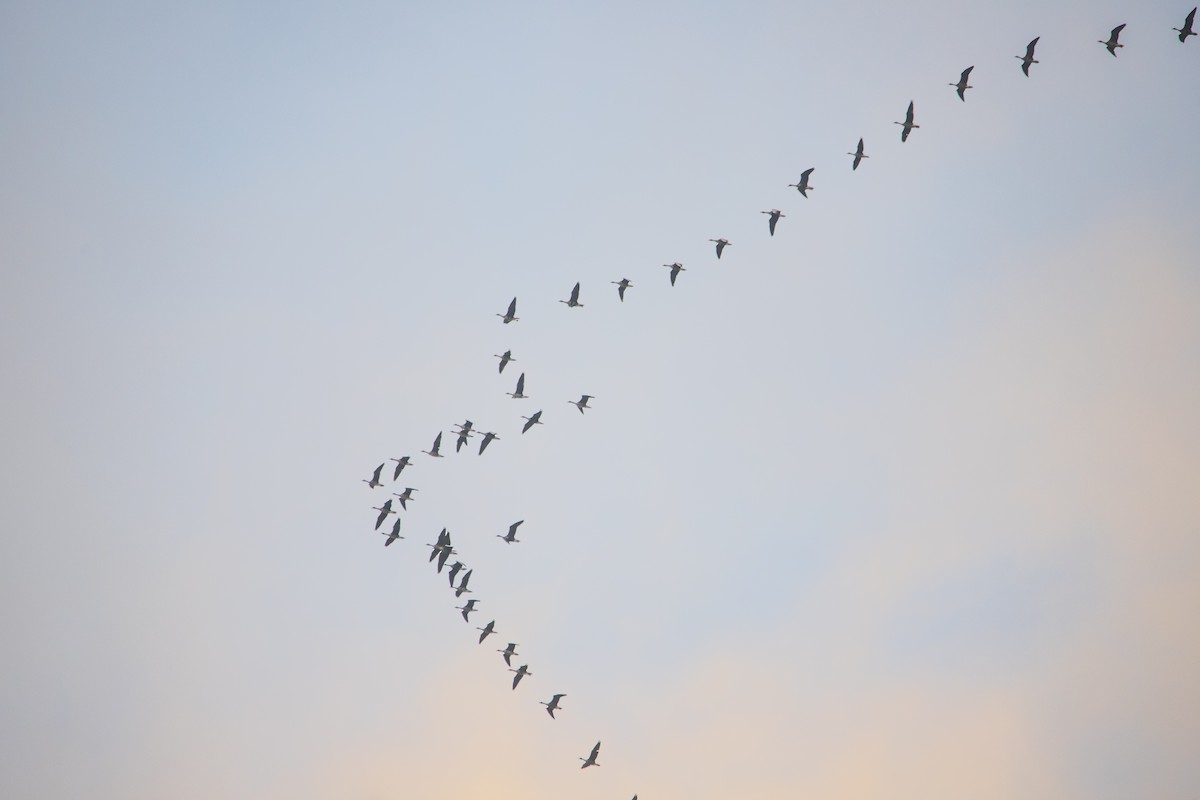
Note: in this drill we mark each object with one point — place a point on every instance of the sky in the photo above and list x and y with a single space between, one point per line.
900 502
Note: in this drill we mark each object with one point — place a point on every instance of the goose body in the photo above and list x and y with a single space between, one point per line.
590 761
487 439
677 268
962 84
521 671
1112 44
511 536
775 215
621 285
552 706
908 123
488 630
536 419
437 445
511 314
802 187
1187 30
721 245
573 302
505 357
858 154
582 402
375 477
519 392
1028 58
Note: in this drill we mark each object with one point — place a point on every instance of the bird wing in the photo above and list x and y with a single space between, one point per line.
1117 31
466 579
437 442
575 293
1191 17
595 751
521 384
378 469
528 424
966 73
908 118
1029 47
512 308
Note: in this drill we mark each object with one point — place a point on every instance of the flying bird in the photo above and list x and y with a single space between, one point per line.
962 84
405 496
521 671
1028 58
858 154
467 608
442 550
511 314
488 630
802 187
519 394
1186 30
462 586
590 761
437 443
508 653
401 463
775 215
1112 44
454 570
621 285
464 432
394 534
487 439
677 268
908 123
383 510
536 419
374 477
552 706
512 532
721 245
504 359
574 301
582 402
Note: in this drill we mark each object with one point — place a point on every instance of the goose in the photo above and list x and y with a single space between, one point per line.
488 630
511 537
521 671
552 706
437 443
374 477
590 761
394 534
582 402
962 84
462 586
908 123
508 653
443 541
405 496
1186 30
858 155
802 187
536 419
401 463
455 568
1112 44
677 268
1028 58
721 245
511 314
519 394
621 285
487 439
467 608
383 510
504 359
775 215
464 432
574 301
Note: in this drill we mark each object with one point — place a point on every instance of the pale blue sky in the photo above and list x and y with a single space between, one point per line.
898 503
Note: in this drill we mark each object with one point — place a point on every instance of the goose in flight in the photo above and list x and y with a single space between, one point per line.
508 653
962 84
405 496
401 463
1028 58
487 439
464 432
504 359
511 314
677 268
858 154
454 570
394 534
775 215
590 761
574 301
512 532
1112 44
552 706
442 550
488 630
437 444
519 394
1186 30
908 123
582 402
802 187
383 510
621 285
374 477
467 608
521 671
462 586
536 419
721 245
